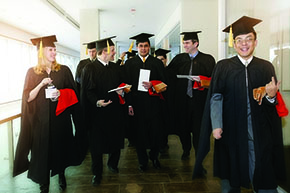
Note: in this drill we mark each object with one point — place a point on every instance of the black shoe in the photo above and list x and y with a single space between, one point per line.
62 181
44 188
199 173
96 180
185 155
156 164
115 170
142 168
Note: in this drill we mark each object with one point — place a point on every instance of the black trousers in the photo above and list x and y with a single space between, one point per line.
143 156
190 125
97 161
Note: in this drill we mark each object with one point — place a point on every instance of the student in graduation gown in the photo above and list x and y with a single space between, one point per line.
91 50
188 102
248 133
103 109
144 107
161 55
45 134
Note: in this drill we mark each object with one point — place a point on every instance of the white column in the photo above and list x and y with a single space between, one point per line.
201 15
89 28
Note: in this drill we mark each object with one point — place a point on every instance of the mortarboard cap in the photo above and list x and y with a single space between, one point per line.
90 45
47 41
103 43
132 53
142 37
161 52
190 35
244 25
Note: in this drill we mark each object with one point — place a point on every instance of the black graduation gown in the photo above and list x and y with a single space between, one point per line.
106 123
147 109
48 137
80 67
231 151
203 64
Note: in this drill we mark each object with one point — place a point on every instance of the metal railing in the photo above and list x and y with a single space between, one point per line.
9 124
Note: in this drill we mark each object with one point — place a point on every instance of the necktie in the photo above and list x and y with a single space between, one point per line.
189 84
144 59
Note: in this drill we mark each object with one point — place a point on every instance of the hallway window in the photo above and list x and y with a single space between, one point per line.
16 58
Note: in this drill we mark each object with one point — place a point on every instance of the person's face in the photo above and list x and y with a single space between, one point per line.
245 45
143 48
163 60
190 46
50 53
92 53
112 53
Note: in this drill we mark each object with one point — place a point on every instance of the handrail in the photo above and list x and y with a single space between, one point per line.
10 118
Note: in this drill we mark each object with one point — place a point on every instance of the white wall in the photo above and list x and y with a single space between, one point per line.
89 28
172 21
202 15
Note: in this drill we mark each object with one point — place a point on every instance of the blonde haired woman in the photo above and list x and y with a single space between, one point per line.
46 144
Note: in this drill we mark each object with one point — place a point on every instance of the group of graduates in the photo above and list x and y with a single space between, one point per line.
237 100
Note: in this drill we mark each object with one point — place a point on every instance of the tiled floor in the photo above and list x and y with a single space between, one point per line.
173 177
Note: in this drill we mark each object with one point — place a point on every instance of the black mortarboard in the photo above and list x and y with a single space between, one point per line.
190 35
244 25
142 37
90 45
161 52
103 43
47 41
132 53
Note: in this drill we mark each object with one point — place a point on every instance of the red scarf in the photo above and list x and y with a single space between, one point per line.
281 106
67 98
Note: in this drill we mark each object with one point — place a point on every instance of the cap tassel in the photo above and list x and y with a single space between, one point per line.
40 54
131 47
86 50
108 47
231 39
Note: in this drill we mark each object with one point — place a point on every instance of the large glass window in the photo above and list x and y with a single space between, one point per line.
16 58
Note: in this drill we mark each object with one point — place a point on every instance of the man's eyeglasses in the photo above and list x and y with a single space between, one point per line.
247 40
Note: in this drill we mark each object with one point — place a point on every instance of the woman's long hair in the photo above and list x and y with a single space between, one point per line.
43 63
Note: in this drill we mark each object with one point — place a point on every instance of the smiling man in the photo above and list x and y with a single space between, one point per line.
146 108
103 111
188 101
248 134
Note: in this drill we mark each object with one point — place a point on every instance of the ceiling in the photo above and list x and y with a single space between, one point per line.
123 18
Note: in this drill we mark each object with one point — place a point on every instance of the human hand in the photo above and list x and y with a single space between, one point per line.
130 111
55 94
217 133
46 81
195 78
147 85
120 92
102 103
272 87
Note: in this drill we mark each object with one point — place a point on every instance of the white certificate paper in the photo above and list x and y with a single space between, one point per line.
143 77
193 78
119 88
